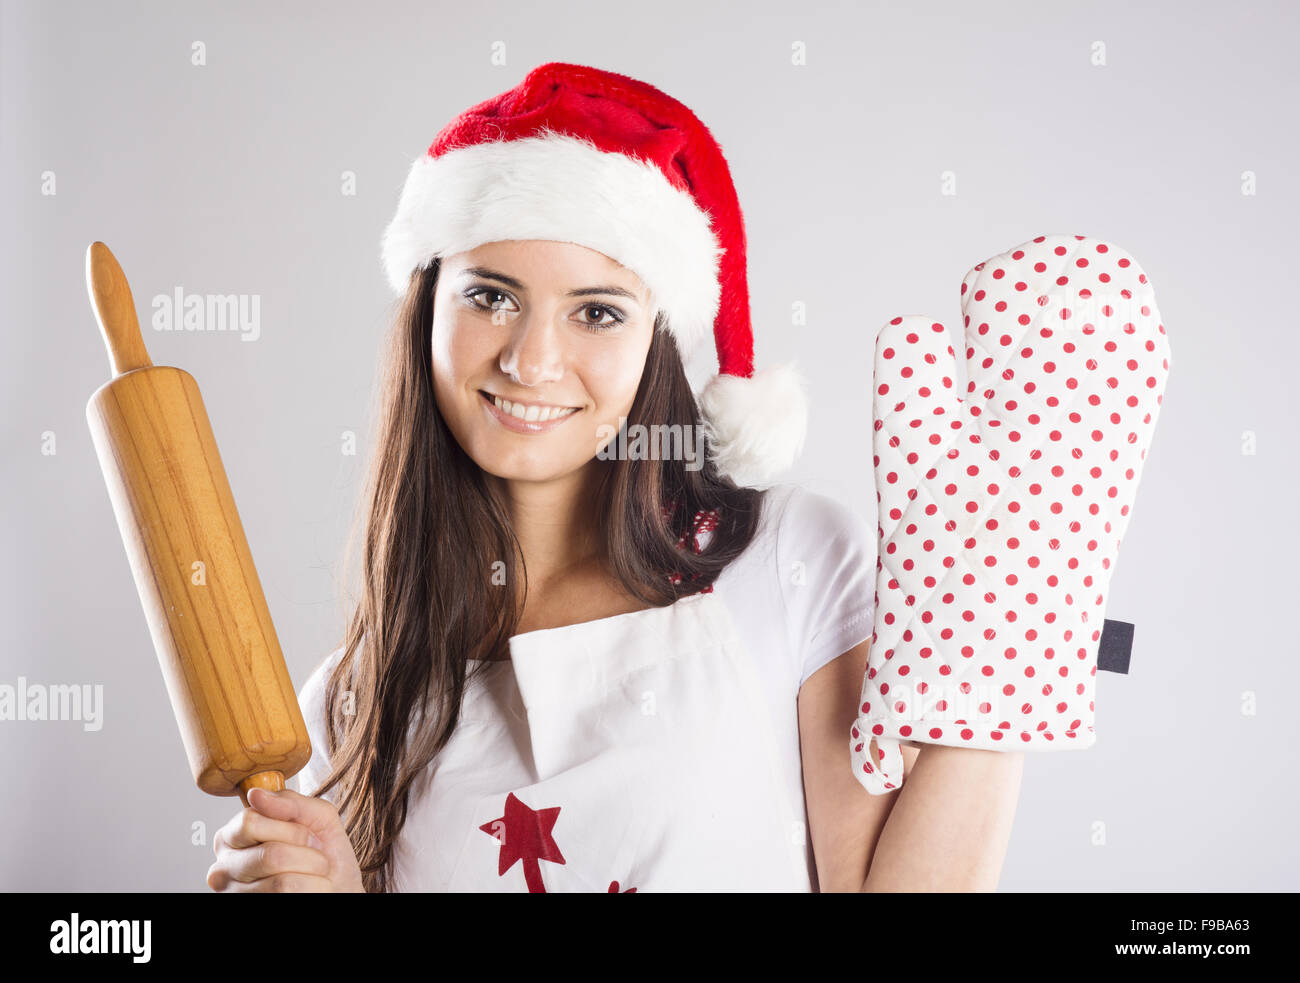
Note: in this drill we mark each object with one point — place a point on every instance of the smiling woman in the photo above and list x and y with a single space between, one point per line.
459 486
569 669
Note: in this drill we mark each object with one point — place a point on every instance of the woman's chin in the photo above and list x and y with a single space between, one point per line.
533 464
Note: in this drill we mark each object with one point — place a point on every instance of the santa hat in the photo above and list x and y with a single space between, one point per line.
576 154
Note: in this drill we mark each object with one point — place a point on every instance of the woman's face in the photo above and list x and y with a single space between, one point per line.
556 329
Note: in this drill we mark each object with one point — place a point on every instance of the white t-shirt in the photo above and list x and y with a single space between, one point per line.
655 750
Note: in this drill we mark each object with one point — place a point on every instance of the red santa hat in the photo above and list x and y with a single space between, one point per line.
577 154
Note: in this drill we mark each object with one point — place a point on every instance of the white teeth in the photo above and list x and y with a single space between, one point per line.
531 414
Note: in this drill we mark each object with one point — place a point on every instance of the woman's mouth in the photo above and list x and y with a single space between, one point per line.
521 418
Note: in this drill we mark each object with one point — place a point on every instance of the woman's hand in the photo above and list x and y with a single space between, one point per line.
284 841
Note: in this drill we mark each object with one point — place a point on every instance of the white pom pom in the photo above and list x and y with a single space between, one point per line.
755 426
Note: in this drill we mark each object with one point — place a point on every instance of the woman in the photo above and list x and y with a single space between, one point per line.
586 658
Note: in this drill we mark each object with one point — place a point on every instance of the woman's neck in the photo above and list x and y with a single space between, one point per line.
553 521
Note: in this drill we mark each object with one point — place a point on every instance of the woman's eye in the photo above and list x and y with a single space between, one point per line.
601 310
495 299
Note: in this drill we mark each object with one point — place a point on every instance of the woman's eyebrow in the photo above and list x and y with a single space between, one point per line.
486 274
589 291
509 281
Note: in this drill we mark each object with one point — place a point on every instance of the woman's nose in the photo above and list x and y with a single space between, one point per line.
534 354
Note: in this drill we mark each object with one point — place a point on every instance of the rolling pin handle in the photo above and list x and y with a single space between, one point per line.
110 296
272 781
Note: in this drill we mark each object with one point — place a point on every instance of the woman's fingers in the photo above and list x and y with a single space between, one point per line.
318 816
250 828
284 883
267 859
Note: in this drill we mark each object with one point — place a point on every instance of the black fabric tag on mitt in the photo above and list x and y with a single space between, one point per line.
1116 646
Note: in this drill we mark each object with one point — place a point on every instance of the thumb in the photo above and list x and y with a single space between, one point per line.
916 413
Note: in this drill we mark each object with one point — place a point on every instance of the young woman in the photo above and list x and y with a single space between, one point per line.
598 646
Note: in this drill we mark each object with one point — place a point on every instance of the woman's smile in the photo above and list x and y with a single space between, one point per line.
527 418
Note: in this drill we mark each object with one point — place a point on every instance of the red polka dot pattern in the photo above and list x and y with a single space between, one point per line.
702 528
1002 512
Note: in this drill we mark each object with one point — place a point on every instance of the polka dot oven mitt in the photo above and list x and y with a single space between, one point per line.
1001 514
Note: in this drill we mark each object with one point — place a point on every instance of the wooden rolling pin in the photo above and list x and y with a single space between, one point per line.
230 689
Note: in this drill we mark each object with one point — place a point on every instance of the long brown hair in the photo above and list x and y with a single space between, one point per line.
429 516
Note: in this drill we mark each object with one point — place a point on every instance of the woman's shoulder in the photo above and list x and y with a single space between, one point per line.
810 513
795 514
311 700
311 697
804 590
797 524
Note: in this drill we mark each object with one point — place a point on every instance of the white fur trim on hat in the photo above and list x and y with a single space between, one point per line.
563 188
755 426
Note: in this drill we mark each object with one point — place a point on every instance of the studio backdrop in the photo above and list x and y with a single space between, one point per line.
253 153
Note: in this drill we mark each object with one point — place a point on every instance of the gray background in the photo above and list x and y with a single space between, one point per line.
226 179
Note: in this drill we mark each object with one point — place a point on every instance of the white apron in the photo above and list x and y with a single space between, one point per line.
631 753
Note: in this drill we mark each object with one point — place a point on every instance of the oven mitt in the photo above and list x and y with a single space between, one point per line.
1001 514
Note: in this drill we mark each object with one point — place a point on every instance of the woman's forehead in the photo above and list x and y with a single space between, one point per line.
543 252
548 263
